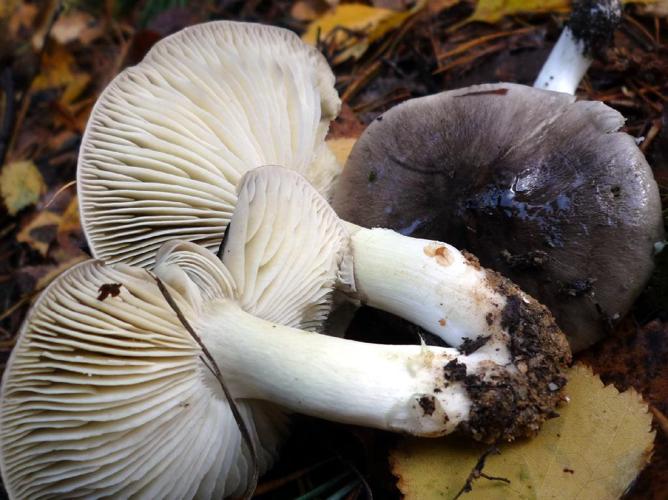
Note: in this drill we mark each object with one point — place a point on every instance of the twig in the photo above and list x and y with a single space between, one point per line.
365 77
360 476
660 418
245 434
20 303
7 84
269 486
651 135
466 46
478 473
59 192
465 60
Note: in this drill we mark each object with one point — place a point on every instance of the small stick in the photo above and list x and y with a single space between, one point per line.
245 434
477 472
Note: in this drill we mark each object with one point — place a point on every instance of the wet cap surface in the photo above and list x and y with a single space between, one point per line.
539 187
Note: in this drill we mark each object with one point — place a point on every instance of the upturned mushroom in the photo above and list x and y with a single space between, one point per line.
106 394
539 187
169 139
147 177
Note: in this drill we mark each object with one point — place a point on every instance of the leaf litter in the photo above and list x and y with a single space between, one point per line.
54 62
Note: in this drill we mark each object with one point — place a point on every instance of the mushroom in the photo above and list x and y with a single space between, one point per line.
106 394
539 187
146 176
169 139
589 30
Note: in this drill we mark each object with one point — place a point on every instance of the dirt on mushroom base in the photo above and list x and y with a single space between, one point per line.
511 405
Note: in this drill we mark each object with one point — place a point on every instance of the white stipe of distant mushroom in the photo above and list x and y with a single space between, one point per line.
565 66
101 397
284 247
169 139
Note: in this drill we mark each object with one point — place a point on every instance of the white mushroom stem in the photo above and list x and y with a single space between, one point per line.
429 283
566 65
379 386
591 26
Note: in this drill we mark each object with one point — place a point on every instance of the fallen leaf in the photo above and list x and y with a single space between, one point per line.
70 235
76 25
347 124
40 232
437 6
21 185
69 221
308 10
58 71
491 11
341 148
7 7
21 18
655 8
594 450
367 23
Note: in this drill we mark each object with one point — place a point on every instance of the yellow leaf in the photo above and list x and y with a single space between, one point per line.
57 71
594 450
70 221
341 148
491 11
40 232
21 185
7 7
370 23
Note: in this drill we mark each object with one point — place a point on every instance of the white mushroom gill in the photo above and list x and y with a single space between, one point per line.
101 397
105 388
105 393
169 139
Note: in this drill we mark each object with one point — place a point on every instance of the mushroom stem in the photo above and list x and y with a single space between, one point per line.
429 283
397 388
565 66
590 29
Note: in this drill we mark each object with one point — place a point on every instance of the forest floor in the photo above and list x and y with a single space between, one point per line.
56 58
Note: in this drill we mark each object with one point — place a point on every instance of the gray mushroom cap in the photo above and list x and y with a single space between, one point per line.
538 186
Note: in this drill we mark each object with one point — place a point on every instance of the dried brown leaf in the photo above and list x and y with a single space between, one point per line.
594 450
